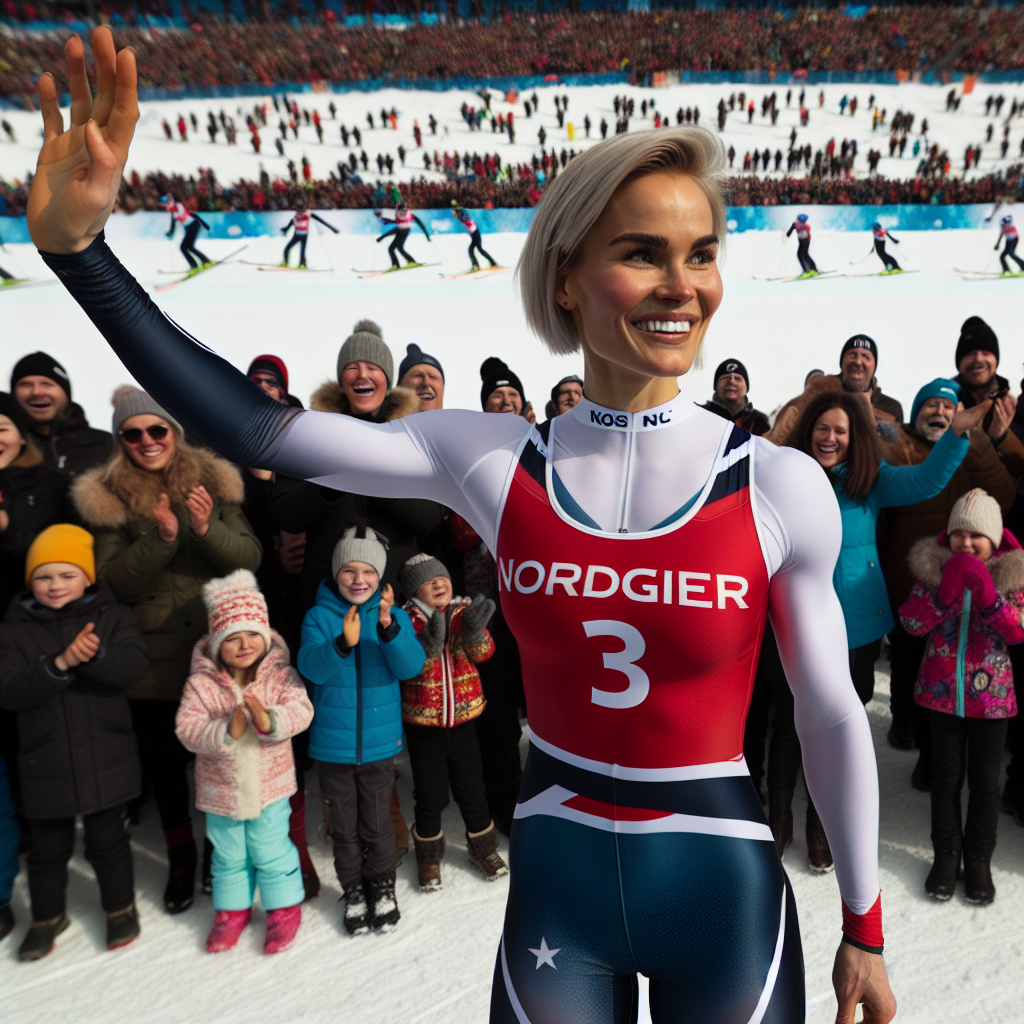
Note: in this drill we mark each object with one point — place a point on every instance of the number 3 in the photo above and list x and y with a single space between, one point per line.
621 661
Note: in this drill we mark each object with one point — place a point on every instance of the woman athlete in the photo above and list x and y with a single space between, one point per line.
640 543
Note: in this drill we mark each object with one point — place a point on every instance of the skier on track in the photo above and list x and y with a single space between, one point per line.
474 236
1008 234
301 236
803 234
880 234
191 222
403 219
638 595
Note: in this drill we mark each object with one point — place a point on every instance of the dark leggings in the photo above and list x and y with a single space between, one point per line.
862 668
188 246
890 263
398 245
474 243
905 654
107 849
301 241
164 759
1009 251
803 254
971 748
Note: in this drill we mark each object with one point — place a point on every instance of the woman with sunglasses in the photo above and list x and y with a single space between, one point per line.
167 518
640 544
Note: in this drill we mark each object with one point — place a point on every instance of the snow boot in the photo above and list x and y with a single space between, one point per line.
921 777
941 881
780 817
297 834
207 872
429 854
819 856
39 941
122 927
6 921
978 885
181 859
401 829
282 927
483 853
357 910
383 904
227 929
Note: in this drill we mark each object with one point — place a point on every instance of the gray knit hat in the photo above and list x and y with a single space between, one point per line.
418 570
366 343
978 512
360 544
138 403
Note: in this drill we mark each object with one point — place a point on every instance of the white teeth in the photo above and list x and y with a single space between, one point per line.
665 326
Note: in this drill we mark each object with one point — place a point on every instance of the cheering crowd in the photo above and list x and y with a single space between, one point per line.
166 607
562 42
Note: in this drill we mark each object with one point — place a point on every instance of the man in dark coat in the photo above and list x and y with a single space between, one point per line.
731 401
56 424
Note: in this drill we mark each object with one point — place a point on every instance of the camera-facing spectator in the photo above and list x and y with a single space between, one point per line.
731 401
423 374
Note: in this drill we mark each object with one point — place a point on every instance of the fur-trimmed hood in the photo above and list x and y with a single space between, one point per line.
398 402
118 492
1006 566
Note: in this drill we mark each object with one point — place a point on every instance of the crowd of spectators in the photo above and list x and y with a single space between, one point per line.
215 53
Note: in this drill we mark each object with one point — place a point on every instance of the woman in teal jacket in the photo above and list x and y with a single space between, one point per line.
836 430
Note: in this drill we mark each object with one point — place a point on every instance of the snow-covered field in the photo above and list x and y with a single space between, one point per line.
152 152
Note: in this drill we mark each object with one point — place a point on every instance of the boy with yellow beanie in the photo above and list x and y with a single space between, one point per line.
90 766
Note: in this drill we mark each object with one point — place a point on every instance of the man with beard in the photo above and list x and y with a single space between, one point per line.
977 356
857 364
56 424
423 374
931 415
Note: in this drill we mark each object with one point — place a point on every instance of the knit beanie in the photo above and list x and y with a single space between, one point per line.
860 341
976 336
420 568
234 604
360 544
813 373
571 379
496 374
732 366
941 387
62 543
978 512
271 365
415 356
11 408
39 364
138 403
366 344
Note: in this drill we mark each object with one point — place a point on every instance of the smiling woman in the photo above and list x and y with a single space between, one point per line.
639 842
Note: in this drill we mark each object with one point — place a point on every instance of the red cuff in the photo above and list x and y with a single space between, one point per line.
864 929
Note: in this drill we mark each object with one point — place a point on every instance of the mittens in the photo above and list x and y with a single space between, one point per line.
979 580
433 635
475 619
954 582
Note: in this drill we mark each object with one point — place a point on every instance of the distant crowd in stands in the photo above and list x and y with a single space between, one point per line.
218 53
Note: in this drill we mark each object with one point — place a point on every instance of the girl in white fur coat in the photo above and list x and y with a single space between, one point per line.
242 703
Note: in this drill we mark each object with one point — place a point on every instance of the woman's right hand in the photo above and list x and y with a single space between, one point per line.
166 520
78 172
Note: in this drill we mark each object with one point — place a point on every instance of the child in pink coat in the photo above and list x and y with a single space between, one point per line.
242 703
968 599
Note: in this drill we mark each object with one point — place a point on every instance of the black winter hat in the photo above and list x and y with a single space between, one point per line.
495 374
860 341
732 366
11 408
39 364
414 356
976 336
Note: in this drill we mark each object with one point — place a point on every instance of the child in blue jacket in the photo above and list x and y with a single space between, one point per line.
356 646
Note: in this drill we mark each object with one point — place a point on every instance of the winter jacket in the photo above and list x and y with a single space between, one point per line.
78 752
982 663
884 404
72 446
324 514
447 691
356 691
748 418
858 578
163 582
35 497
982 467
238 778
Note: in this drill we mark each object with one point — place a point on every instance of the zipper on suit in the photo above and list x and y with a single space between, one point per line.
359 708
627 472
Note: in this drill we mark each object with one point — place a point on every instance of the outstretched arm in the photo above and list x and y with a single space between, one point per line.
325 224
423 227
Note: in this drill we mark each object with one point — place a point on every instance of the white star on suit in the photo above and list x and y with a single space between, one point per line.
545 955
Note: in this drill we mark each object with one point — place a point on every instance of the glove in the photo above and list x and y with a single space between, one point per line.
475 619
433 635
954 583
978 579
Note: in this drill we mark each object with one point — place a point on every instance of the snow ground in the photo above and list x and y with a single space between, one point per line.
948 962
151 152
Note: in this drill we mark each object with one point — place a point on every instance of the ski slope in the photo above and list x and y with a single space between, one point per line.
152 152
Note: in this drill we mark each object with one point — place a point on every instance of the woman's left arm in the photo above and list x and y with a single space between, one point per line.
908 485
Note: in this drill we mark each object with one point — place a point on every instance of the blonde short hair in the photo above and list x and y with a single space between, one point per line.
575 200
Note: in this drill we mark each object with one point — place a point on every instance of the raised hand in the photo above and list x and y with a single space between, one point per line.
967 419
239 723
387 599
351 627
1003 410
79 169
166 520
82 648
200 508
260 717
